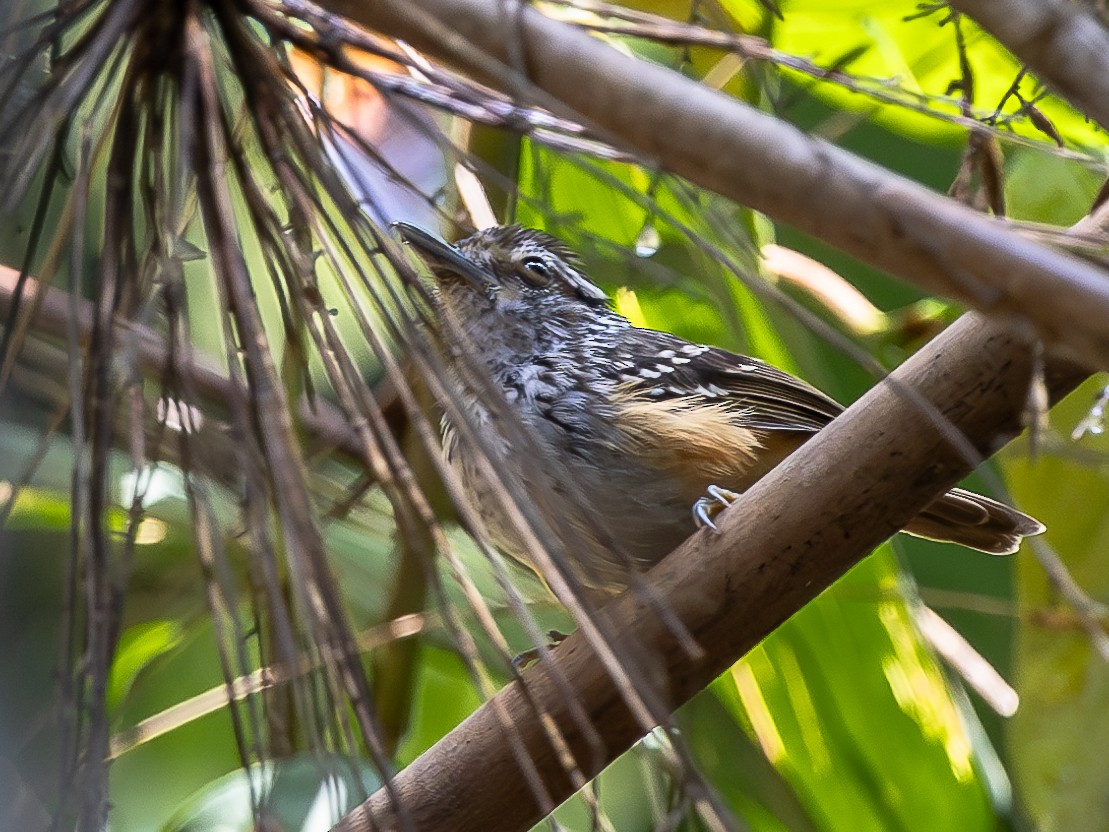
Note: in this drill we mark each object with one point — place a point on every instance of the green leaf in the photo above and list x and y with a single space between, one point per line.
445 695
39 509
913 54
138 647
1057 737
1045 188
734 763
303 793
852 709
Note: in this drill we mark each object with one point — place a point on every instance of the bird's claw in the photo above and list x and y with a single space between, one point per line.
715 501
701 514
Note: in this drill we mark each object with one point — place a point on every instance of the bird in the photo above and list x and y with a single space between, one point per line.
642 435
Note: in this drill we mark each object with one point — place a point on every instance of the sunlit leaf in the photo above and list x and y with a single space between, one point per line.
138 647
891 43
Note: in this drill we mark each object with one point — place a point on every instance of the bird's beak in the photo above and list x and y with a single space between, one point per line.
443 259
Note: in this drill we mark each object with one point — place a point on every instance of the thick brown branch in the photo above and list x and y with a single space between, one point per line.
1064 43
735 150
790 537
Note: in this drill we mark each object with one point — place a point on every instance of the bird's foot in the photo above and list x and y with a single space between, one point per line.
715 501
529 656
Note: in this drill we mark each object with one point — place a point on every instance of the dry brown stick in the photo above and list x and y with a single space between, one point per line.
1065 44
790 537
722 144
322 420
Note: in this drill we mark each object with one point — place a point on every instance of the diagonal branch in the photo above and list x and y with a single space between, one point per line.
322 421
791 536
735 150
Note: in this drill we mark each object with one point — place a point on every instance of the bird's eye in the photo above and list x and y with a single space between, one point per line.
535 271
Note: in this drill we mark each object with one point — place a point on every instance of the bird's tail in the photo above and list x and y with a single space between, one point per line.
976 522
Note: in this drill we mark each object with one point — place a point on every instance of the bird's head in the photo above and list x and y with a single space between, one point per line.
504 266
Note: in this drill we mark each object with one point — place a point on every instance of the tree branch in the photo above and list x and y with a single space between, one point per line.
1065 43
323 421
735 150
793 534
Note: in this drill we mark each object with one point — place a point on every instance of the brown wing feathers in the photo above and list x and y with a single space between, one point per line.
740 417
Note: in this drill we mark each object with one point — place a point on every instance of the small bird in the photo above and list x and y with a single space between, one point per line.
643 434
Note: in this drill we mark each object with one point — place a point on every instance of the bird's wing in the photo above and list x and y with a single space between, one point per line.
662 366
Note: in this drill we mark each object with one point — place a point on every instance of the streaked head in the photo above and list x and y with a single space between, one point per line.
506 263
